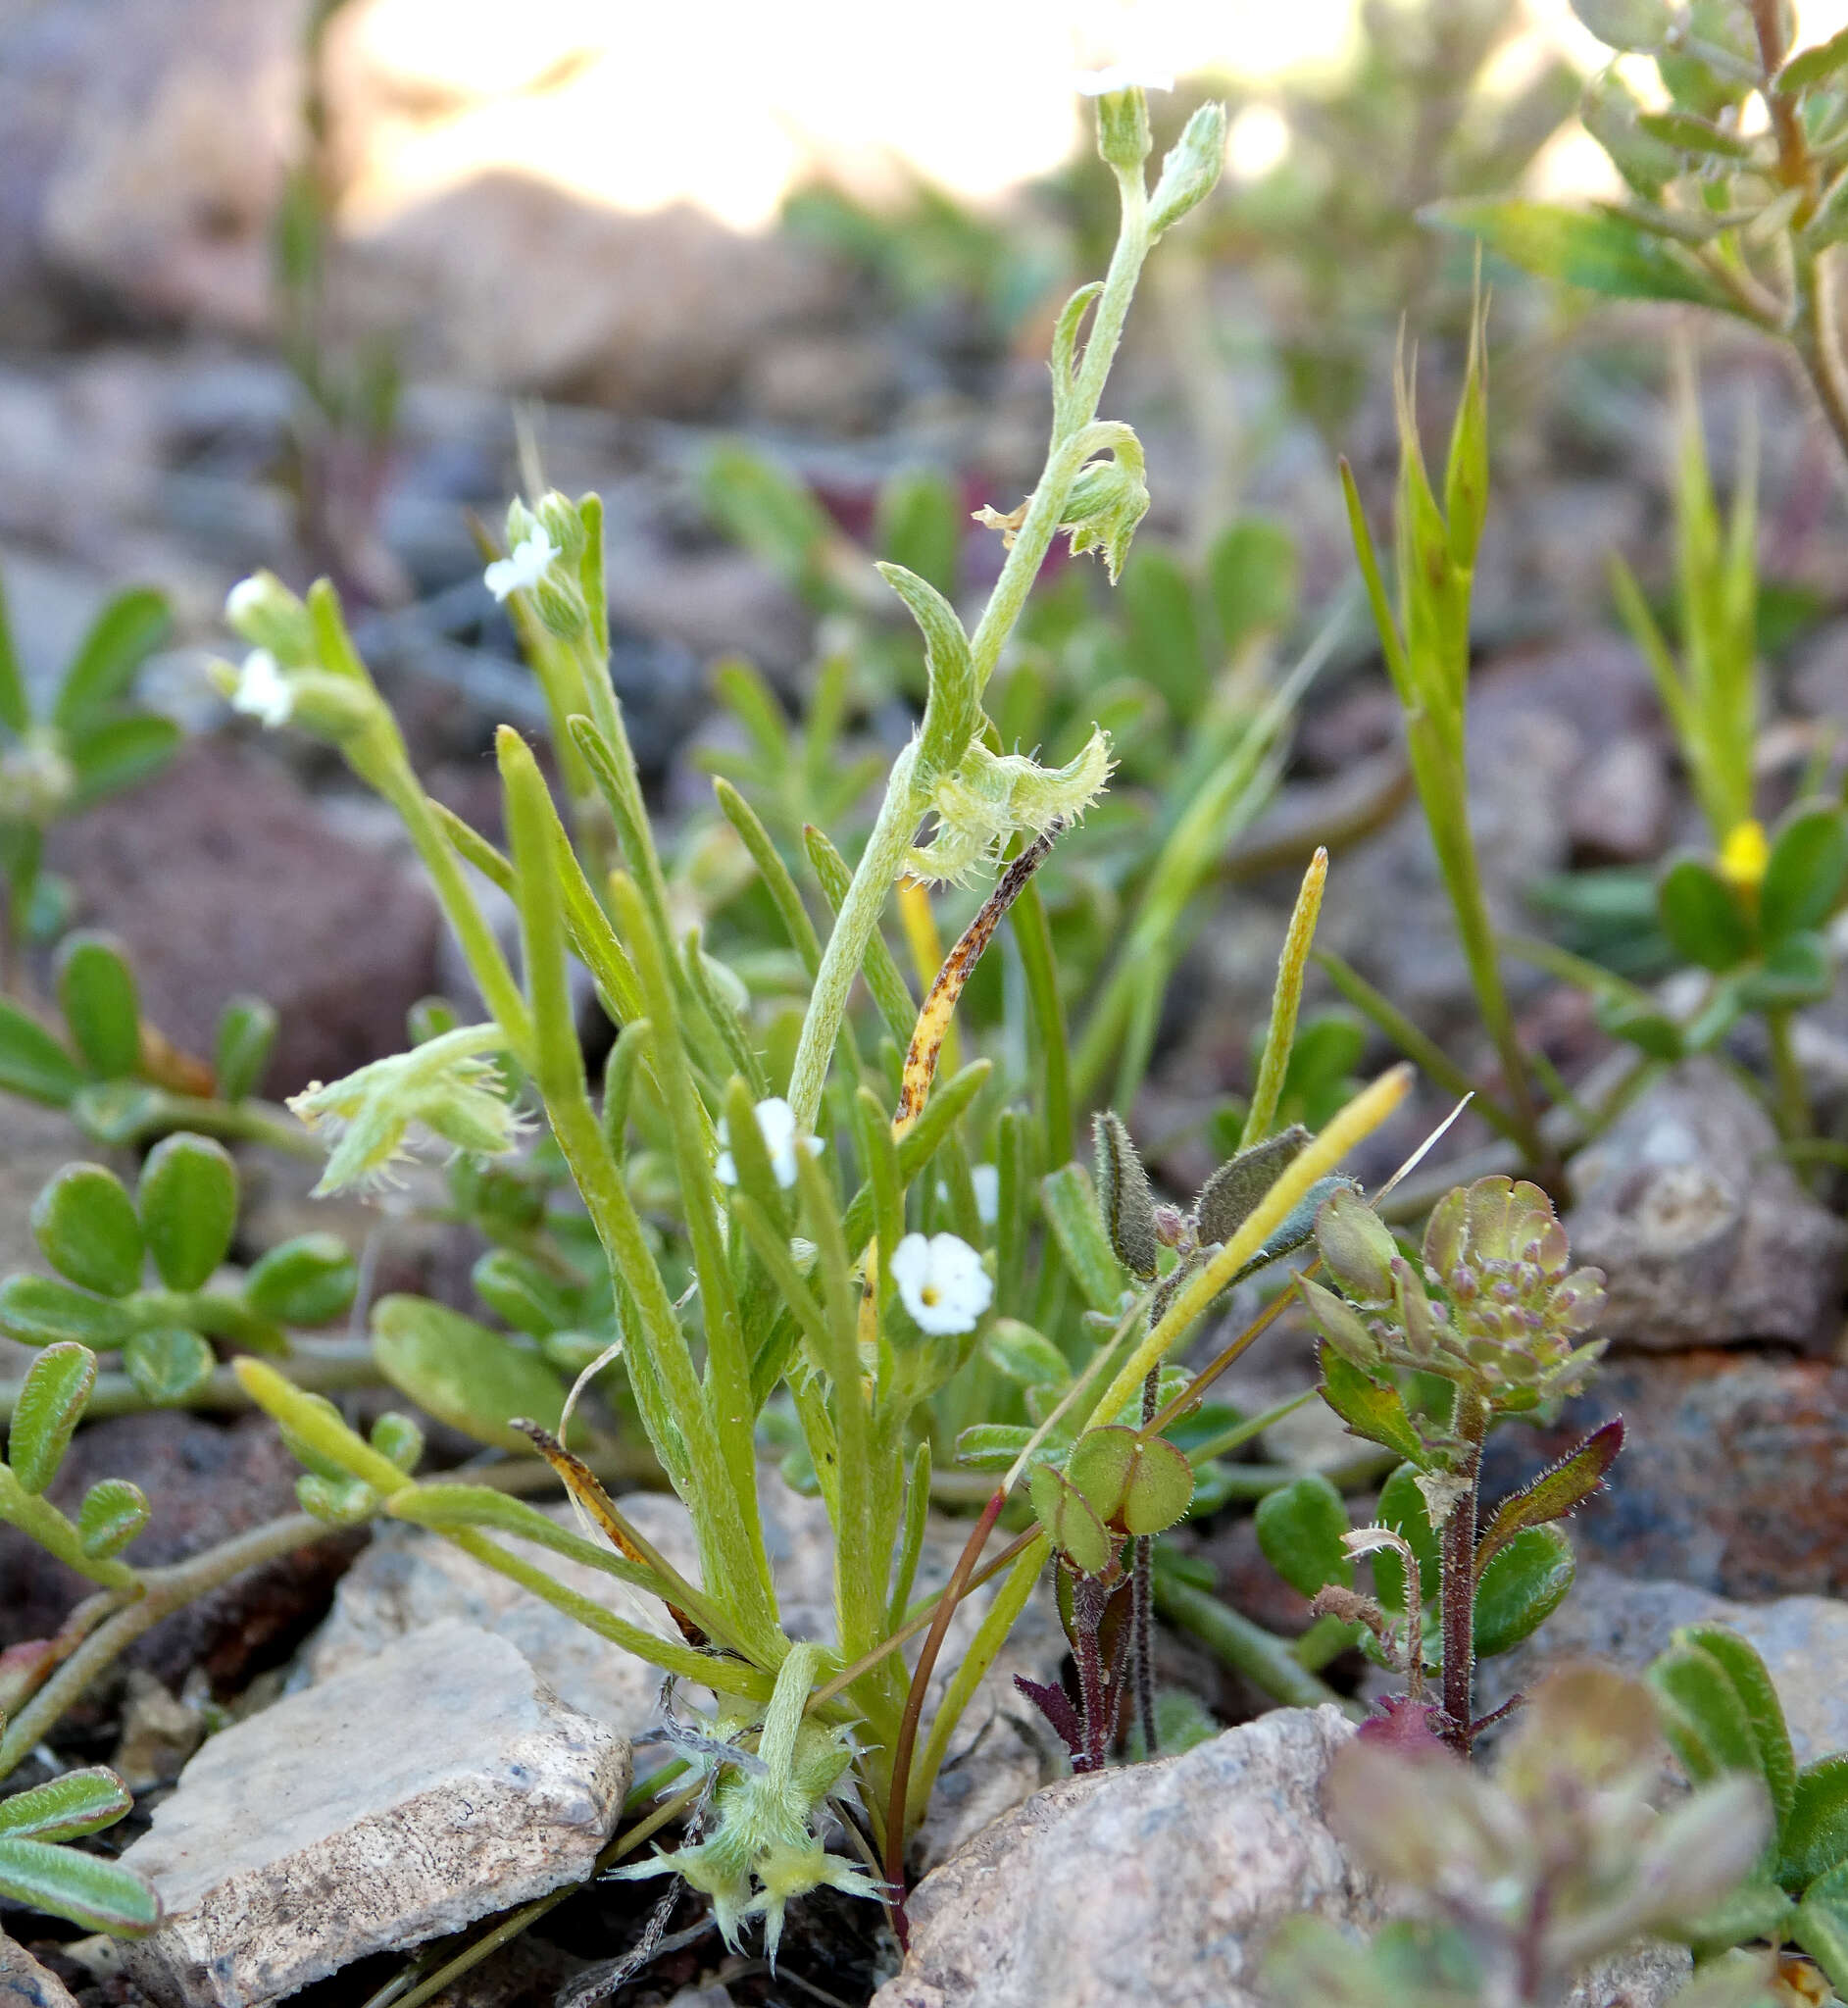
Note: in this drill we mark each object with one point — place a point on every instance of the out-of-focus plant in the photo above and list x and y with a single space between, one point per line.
1531 1873
92 742
1426 642
1738 185
1720 1713
1487 1325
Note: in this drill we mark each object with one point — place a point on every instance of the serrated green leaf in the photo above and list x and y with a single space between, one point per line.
1522 1587
1370 1411
1701 916
1590 248
188 1203
1560 1491
96 992
112 1513
168 1364
311 1279
73 1803
41 1309
32 1063
1300 1529
50 1405
98 1894
463 1374
125 634
86 1226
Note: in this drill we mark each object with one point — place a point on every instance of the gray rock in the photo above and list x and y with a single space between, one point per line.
1618 806
1648 1977
1157 1884
409 1579
411 1795
1625 1623
1705 1235
25 1984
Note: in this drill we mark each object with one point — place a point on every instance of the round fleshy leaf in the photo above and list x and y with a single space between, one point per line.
1100 1465
51 1403
1160 1489
87 1228
112 1513
1300 1529
399 1439
188 1200
309 1281
74 1803
1025 1355
522 1294
32 1063
1071 1521
96 992
1805 872
168 1364
463 1374
247 1028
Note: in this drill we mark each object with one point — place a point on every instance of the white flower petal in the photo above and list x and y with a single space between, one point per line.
523 567
243 597
986 1180
941 1282
263 691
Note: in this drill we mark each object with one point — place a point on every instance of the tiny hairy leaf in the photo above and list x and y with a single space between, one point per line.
463 1374
32 1063
1815 1837
1073 1212
98 1894
1403 1508
51 1402
1071 1521
114 1511
311 1279
1559 1491
1123 1187
40 1310
75 1802
168 1364
96 992
1230 1195
86 1228
246 1036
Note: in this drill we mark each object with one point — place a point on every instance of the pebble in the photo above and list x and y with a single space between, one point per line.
422 1789
25 1984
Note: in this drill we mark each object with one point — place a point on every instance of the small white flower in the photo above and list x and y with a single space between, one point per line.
1115 77
524 569
243 597
942 1283
776 1124
263 691
986 1180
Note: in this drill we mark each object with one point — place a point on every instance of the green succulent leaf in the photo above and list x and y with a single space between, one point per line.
1821 1925
96 991
99 1895
1597 250
51 1403
1797 970
531 1300
168 1364
1704 1715
87 1228
188 1202
310 1280
125 634
1815 1837
114 1511
77 1802
40 1310
1071 1521
246 1037
1521 1588
32 1063
1701 915
472 1378
1757 1692
1300 1529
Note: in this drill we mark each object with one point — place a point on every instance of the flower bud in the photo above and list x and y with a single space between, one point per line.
1191 169
558 517
263 611
560 604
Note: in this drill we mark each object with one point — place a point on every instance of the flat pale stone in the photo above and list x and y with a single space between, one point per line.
419 1791
25 1984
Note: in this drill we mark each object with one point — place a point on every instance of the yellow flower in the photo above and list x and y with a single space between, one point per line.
1744 855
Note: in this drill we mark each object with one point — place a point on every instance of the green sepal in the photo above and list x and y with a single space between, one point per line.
188 1204
1301 1528
96 992
50 1405
86 1228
